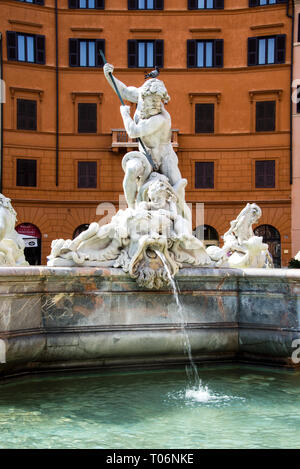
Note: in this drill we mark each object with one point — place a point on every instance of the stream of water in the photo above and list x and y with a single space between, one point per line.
195 389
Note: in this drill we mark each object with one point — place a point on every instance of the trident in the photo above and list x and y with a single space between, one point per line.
147 154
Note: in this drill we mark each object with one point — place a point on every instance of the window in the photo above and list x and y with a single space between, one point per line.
265 116
37 2
204 118
87 117
26 173
87 174
257 3
145 4
86 52
145 53
26 114
205 4
265 174
85 4
266 50
205 54
26 47
204 175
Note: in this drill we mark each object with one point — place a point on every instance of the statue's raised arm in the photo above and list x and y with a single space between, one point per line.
129 93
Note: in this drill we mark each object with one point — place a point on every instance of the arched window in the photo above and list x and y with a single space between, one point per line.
33 242
271 236
80 229
207 234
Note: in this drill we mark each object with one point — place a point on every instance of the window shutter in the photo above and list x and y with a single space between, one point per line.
132 4
100 45
252 50
87 174
39 2
204 118
280 48
204 175
218 52
132 53
26 173
270 173
192 5
73 3
12 50
265 174
259 174
40 52
87 117
191 53
159 4
100 4
265 116
253 3
26 114
159 53
219 4
73 52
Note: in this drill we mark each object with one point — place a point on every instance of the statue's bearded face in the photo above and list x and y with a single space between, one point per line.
151 105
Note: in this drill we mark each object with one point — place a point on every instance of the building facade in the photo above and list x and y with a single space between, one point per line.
296 134
227 67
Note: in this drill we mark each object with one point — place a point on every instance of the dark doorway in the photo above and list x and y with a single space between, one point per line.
271 236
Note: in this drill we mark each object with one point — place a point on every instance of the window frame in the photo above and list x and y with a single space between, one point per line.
95 162
265 162
17 160
75 5
209 132
256 118
204 162
74 52
217 5
253 50
217 56
256 3
133 53
13 49
82 132
157 5
19 117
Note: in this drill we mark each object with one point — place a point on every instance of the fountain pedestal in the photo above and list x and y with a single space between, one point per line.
69 318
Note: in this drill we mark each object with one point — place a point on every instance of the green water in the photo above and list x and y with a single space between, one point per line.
237 407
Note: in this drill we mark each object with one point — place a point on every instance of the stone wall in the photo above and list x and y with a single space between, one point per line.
71 318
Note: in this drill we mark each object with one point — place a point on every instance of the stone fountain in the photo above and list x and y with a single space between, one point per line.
104 300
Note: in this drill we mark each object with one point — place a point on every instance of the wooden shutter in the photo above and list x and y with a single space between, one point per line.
39 2
100 4
87 117
73 52
132 4
280 49
100 45
73 3
158 4
159 52
219 4
204 175
12 48
252 50
132 53
204 118
192 4
253 3
191 53
40 49
26 114
265 174
87 174
265 116
26 173
218 52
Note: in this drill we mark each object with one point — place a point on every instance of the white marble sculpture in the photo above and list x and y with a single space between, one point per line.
11 243
155 230
242 248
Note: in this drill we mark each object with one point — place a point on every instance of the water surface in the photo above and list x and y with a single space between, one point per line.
236 407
